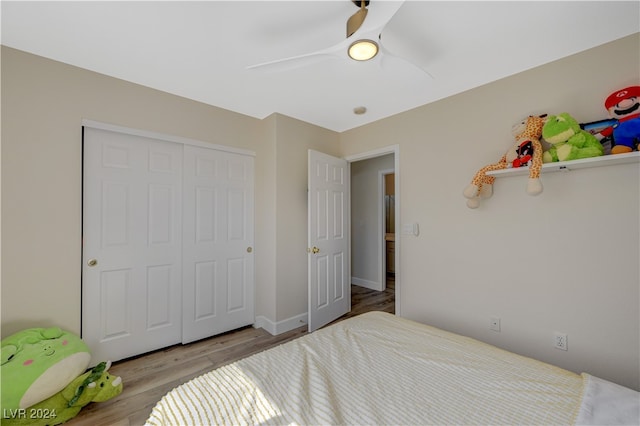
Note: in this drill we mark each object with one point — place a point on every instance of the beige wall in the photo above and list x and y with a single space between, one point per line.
566 260
265 252
295 138
43 104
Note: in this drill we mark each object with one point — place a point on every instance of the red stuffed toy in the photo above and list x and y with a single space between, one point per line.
524 153
624 106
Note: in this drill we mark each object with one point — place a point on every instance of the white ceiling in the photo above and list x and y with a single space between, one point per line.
200 50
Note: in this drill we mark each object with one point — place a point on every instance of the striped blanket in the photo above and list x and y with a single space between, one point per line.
377 368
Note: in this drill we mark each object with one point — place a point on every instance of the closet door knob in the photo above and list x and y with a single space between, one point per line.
249 249
92 262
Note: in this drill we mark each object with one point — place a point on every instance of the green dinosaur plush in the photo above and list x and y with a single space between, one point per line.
96 385
568 141
37 363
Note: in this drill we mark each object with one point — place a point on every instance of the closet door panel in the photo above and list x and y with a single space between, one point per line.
205 291
132 254
217 232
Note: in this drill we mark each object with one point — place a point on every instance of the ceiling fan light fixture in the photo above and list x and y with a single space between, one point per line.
363 50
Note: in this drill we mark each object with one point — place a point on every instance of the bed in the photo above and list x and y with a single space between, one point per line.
377 368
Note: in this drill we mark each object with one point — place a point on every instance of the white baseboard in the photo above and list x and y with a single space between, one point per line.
279 327
373 285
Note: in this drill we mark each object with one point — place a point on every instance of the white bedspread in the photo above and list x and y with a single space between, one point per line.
379 369
605 403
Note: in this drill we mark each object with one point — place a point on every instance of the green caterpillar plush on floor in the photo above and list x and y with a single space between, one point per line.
568 140
96 385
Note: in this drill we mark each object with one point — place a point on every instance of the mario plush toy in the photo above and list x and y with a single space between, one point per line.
624 106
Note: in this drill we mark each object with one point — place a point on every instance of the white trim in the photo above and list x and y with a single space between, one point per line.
382 245
397 245
164 137
392 149
395 150
279 327
372 285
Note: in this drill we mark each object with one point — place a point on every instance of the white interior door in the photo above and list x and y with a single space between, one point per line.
328 227
218 265
131 275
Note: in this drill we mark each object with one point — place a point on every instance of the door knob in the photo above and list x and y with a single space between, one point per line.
249 249
92 262
315 250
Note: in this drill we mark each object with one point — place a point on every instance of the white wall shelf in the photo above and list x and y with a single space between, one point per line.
563 166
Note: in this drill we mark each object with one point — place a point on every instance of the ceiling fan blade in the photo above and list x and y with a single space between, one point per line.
377 16
302 60
390 57
390 60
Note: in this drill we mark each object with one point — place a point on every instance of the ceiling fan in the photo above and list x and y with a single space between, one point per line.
362 43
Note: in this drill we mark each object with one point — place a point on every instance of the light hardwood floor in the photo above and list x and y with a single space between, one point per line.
149 377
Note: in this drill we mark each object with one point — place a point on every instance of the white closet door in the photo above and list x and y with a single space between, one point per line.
218 265
131 276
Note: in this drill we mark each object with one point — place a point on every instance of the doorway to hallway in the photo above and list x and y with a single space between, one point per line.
373 225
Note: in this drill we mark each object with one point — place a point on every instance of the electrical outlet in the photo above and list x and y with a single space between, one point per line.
560 341
494 323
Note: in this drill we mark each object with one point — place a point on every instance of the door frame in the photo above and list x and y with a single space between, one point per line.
395 150
382 248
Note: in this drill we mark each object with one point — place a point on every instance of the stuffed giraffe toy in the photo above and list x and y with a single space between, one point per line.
527 134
